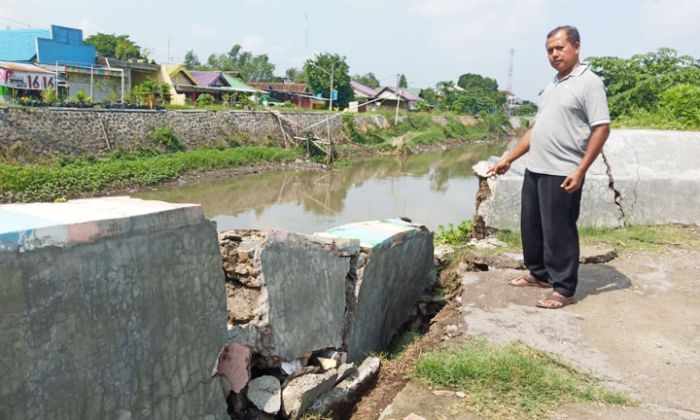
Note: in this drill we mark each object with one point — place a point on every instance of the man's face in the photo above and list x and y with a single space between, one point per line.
562 54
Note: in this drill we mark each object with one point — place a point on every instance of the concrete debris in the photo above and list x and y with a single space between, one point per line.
244 299
347 390
265 392
233 364
301 391
597 254
291 367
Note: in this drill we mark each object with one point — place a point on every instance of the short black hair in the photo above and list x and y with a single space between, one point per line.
571 33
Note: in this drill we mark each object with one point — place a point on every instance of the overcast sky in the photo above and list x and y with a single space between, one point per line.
428 40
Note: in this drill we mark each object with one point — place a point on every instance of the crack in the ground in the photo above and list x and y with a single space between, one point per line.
618 195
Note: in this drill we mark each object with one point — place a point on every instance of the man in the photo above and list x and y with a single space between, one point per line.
570 129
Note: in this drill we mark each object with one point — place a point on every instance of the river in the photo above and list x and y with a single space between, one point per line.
433 188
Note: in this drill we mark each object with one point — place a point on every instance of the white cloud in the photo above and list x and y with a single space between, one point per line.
670 22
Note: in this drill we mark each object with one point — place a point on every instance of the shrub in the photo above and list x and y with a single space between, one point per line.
166 137
205 99
49 96
82 97
683 103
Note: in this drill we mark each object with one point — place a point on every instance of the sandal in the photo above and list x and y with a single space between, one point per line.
555 301
529 280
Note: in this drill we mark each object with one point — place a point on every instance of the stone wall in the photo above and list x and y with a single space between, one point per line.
44 132
111 308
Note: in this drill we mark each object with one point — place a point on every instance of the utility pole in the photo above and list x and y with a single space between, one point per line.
398 99
330 102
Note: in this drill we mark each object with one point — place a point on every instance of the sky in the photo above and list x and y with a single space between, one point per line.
427 40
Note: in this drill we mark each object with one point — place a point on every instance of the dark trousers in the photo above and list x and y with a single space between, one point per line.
549 234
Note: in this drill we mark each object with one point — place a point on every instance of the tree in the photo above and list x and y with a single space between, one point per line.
470 81
638 83
117 46
295 75
253 68
367 79
192 61
319 80
403 83
429 95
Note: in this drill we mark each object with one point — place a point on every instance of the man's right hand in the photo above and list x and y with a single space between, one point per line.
499 168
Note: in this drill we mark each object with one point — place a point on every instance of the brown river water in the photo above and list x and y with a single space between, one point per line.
433 188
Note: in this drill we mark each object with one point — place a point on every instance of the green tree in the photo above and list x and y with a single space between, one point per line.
429 95
319 80
367 79
192 61
253 68
638 83
469 81
403 83
117 46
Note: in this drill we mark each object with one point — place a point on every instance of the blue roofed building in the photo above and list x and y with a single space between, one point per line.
61 51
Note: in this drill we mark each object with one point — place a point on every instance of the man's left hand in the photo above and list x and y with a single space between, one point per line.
573 182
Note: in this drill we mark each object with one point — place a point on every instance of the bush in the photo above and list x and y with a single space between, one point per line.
82 97
683 103
166 138
205 99
49 96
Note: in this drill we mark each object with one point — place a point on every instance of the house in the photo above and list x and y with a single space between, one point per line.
364 94
136 71
391 95
19 80
236 84
62 52
182 84
296 93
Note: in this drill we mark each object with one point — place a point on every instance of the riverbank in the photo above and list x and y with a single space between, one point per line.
163 159
642 289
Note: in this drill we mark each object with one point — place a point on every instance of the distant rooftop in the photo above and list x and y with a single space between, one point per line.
365 90
20 44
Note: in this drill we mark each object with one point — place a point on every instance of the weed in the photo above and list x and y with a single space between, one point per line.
454 235
165 137
511 381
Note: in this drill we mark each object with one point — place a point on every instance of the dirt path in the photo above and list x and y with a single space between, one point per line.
636 324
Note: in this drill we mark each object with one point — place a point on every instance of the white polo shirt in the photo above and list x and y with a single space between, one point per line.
568 109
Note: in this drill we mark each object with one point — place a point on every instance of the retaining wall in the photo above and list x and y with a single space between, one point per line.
109 308
644 177
43 132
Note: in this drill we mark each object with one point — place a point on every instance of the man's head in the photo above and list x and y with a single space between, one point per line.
563 45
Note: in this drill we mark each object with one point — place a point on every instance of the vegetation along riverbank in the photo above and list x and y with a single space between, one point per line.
164 157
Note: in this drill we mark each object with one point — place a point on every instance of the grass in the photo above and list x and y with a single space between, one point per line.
60 180
512 381
660 119
398 344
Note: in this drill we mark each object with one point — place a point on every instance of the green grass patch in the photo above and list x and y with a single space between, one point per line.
65 179
398 344
642 237
512 381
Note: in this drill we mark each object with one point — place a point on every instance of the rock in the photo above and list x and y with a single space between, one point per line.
597 254
233 364
301 391
265 392
327 364
291 367
242 302
347 389
460 394
345 370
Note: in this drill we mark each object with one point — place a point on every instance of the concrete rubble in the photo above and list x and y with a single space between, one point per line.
642 177
310 306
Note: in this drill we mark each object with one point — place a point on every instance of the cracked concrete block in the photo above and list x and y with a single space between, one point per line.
642 177
347 388
398 269
301 391
305 278
125 315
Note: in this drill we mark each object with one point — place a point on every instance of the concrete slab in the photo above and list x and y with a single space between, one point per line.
397 268
30 226
654 180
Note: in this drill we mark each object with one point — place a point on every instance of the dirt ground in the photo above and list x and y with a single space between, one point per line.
636 324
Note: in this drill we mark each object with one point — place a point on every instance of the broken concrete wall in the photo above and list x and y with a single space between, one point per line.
642 177
111 308
308 306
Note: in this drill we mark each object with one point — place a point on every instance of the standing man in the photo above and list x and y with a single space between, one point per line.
570 129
